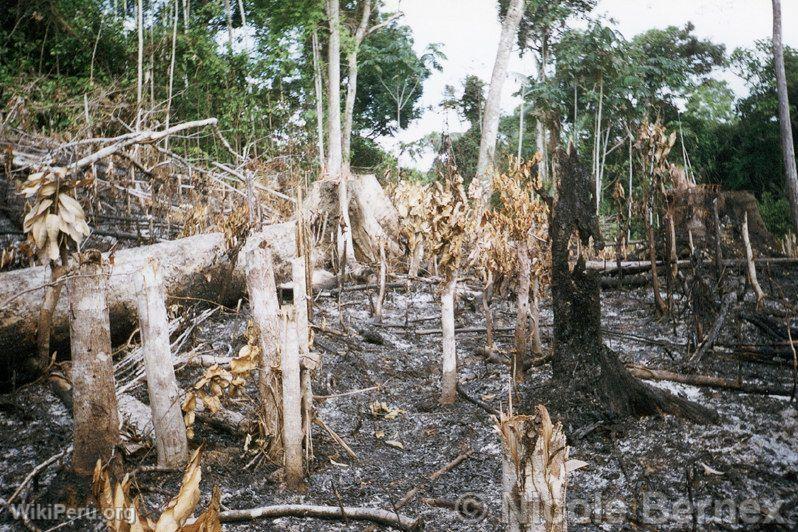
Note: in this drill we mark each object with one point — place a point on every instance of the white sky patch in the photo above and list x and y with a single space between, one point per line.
469 31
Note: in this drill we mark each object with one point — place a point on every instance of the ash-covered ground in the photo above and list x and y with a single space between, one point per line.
656 473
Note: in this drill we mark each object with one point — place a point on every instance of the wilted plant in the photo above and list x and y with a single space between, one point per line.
412 200
654 146
122 513
511 243
55 217
449 224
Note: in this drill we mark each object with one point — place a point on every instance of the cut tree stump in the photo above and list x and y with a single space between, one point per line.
292 399
96 424
164 395
535 470
265 313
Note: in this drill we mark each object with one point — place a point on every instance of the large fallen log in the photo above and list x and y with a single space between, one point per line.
194 268
650 374
607 267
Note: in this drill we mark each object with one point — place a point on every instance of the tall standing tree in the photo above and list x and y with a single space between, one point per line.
346 250
787 145
492 113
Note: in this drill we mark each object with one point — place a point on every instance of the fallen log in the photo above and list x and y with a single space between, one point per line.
375 515
195 268
642 372
640 266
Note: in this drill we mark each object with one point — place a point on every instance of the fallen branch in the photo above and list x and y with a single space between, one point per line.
474 401
433 477
717 327
642 372
375 515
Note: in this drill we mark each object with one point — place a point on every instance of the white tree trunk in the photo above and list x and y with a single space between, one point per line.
317 85
171 75
292 399
170 431
449 366
382 280
299 277
96 419
228 13
140 61
351 86
334 133
787 143
265 312
243 13
490 124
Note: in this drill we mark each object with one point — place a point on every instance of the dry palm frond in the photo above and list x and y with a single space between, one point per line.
54 214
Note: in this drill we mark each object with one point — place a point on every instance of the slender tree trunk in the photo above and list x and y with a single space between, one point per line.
487 311
351 86
415 259
534 322
292 399
521 113
629 195
171 74
346 250
186 14
522 311
228 13
749 259
449 367
540 129
597 146
490 124
383 277
167 418
51 296
317 84
300 296
140 63
659 303
787 143
96 420
265 312
243 12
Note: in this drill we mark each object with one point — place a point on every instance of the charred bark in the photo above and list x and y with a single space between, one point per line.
581 360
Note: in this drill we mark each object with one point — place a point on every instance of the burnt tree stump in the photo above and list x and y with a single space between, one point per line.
591 371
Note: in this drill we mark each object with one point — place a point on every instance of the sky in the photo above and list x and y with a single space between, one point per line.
469 31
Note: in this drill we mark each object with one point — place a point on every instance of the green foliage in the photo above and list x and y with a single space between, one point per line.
391 74
775 210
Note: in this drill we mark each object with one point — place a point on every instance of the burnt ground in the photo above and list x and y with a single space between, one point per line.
653 473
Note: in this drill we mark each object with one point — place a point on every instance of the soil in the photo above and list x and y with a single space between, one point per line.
654 473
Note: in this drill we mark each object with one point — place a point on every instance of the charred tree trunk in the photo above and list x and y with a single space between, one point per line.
581 360
94 393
